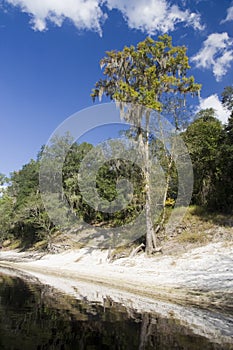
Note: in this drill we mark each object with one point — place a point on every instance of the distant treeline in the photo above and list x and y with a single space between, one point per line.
210 144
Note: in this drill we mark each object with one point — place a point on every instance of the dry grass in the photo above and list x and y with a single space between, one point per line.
198 227
14 245
192 237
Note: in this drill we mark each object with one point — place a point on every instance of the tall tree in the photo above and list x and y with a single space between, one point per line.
24 182
227 101
225 188
203 139
6 216
227 98
29 221
142 76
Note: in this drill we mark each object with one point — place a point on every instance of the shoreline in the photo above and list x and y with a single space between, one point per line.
201 277
216 327
211 324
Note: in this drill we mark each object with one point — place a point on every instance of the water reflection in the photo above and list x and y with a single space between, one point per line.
36 316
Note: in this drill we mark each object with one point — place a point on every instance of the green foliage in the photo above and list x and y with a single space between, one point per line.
144 74
203 139
23 215
24 182
227 98
153 74
211 149
106 184
224 183
145 77
70 171
6 216
3 179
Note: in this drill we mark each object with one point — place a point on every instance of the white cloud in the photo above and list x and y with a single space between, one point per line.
222 64
213 102
229 16
153 16
85 14
150 16
216 54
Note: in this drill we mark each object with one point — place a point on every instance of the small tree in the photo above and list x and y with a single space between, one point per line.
2 179
142 76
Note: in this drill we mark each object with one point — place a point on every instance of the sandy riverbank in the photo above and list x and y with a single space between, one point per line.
202 276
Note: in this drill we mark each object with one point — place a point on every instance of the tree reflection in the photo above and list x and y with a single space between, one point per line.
35 316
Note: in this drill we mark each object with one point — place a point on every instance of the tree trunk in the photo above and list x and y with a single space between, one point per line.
150 233
170 161
145 331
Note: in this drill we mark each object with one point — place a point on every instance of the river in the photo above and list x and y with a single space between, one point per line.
35 315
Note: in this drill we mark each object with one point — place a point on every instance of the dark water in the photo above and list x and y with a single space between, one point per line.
35 316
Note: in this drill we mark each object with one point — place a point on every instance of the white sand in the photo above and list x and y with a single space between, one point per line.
208 269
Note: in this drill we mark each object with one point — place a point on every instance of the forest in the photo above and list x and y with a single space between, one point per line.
152 75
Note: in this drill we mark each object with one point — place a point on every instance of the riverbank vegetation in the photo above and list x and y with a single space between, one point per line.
24 219
150 75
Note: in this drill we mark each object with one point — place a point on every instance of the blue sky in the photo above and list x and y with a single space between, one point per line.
50 52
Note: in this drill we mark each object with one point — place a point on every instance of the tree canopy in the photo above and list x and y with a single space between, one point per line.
144 74
144 77
149 75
